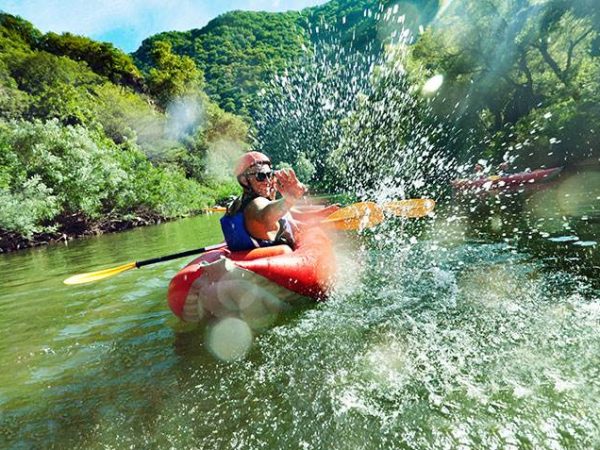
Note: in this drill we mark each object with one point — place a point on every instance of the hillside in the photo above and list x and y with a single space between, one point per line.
240 51
520 78
90 144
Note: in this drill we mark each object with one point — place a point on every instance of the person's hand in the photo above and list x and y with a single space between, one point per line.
289 185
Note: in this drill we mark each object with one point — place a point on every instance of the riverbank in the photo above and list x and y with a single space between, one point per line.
77 226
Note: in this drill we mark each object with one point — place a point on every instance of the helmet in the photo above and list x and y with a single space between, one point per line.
248 160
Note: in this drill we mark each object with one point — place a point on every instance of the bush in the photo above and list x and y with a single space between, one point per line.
49 172
68 160
25 210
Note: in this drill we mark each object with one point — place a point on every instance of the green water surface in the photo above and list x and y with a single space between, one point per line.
439 336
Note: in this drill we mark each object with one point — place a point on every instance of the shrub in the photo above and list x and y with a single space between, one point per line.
49 172
26 209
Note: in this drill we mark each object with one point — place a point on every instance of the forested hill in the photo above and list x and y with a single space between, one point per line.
237 52
88 143
240 51
521 78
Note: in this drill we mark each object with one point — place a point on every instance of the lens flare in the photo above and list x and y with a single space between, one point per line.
432 85
230 339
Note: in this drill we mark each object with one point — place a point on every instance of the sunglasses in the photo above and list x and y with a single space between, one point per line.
263 176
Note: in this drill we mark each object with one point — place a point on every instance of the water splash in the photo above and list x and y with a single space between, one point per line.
359 119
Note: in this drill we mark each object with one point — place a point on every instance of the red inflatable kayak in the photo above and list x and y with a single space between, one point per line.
506 183
222 283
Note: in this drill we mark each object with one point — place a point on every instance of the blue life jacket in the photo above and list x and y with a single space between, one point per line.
238 238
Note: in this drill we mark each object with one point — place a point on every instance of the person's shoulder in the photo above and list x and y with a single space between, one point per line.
256 204
254 218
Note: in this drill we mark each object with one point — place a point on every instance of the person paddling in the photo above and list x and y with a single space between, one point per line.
257 218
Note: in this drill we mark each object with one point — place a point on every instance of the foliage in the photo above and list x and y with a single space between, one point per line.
237 52
54 171
172 76
305 168
367 24
504 61
78 139
123 114
16 30
13 102
26 210
102 57
57 86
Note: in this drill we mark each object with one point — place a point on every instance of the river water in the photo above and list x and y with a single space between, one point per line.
478 328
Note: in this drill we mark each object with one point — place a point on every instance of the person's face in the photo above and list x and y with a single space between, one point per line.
262 180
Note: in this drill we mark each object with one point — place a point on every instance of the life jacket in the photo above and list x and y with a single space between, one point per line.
238 238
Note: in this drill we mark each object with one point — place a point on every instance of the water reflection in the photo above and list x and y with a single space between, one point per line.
558 224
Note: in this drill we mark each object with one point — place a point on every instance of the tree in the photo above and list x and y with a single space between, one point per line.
505 59
102 57
172 76
16 29
58 86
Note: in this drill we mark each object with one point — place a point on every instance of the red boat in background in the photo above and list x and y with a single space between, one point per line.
516 182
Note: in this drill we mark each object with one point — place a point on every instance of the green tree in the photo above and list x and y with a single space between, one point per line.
125 115
58 87
102 57
505 59
172 76
15 29
13 102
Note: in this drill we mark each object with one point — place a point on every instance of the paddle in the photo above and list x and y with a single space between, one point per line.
368 214
357 216
354 217
411 208
106 273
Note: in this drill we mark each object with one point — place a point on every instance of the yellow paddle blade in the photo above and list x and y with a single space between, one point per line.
412 208
216 209
356 217
99 275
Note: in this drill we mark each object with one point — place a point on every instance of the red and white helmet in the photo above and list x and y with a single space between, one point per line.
248 160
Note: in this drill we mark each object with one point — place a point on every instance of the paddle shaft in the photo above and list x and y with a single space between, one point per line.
147 262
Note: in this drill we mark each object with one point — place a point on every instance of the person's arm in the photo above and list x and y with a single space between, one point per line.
262 215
